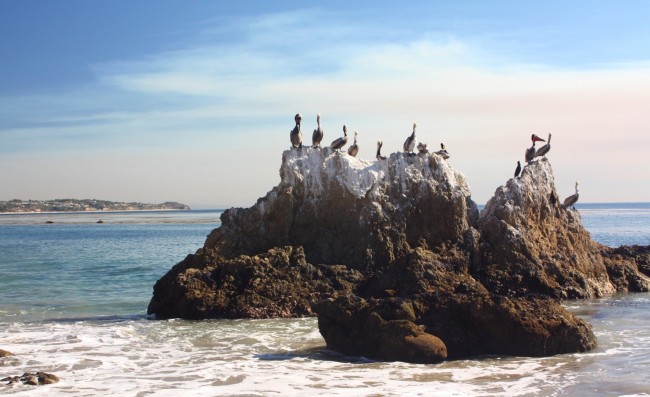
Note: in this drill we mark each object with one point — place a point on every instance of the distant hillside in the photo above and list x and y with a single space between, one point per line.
61 205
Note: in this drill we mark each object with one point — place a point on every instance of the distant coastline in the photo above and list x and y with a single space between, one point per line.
83 205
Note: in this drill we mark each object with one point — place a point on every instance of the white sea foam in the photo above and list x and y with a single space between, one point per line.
137 357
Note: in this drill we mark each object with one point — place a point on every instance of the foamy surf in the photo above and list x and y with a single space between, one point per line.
140 357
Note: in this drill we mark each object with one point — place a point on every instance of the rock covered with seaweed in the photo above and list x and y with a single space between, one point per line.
396 262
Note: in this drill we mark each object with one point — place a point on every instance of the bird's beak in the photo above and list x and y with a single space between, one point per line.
538 139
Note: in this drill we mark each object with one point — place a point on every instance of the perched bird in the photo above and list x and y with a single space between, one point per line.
379 156
530 152
572 199
317 136
443 152
410 142
340 142
296 135
518 169
423 148
544 149
354 148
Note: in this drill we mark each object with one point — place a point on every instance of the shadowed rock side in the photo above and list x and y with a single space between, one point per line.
395 260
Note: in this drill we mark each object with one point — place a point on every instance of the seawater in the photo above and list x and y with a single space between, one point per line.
73 297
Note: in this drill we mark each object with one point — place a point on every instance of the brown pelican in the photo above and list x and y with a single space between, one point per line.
296 134
423 148
379 156
572 199
317 136
354 148
530 152
544 149
443 152
518 169
409 143
340 142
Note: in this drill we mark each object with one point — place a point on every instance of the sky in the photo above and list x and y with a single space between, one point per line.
193 101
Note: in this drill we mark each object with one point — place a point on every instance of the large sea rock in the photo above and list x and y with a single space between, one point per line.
398 264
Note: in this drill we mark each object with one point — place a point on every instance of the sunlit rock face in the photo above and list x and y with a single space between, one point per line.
530 243
394 258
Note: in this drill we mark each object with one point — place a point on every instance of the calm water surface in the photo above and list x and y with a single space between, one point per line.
73 296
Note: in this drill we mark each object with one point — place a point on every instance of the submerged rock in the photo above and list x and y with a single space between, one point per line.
32 379
396 262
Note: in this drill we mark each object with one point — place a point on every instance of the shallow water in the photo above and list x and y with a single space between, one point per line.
135 356
73 296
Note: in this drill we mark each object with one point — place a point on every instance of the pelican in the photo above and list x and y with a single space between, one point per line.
354 148
572 199
296 135
410 142
530 152
340 142
544 149
317 136
518 169
379 156
443 152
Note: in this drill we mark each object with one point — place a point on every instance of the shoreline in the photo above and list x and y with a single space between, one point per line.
88 212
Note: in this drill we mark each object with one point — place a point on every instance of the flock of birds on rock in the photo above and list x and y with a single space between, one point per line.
532 153
410 144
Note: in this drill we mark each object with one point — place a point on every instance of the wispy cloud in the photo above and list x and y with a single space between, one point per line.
243 80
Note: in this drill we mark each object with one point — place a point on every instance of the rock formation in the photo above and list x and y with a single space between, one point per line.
32 379
344 210
530 244
396 262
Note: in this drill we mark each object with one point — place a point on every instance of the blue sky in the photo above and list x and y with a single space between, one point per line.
193 101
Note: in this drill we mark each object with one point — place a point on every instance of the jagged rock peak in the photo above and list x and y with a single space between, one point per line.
531 244
346 210
531 194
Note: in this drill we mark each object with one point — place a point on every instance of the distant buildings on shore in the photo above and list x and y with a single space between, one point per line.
68 205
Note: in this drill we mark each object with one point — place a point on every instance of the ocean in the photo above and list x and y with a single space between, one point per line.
74 293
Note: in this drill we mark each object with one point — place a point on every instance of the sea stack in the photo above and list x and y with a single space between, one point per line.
398 264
